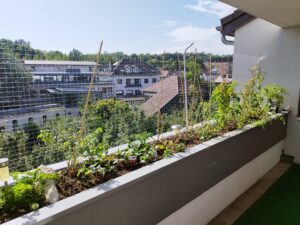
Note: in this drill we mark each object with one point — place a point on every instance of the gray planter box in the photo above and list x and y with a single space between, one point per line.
150 194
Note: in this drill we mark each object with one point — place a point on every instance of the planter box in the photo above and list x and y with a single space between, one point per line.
152 193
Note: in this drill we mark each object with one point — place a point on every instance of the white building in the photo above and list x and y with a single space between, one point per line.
66 77
268 31
130 76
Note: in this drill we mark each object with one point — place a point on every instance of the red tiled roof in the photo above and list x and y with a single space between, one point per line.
165 90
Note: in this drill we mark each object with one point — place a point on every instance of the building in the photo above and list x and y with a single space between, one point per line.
161 96
268 32
215 70
57 89
130 76
65 82
16 118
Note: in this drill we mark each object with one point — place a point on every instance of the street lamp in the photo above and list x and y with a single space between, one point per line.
185 87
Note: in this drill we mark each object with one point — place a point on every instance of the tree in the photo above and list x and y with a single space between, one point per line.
13 146
119 121
75 55
32 131
56 141
14 79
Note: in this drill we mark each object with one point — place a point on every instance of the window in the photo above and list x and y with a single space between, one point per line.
44 119
128 69
119 81
138 92
119 92
137 81
109 90
136 69
15 124
129 93
30 119
43 91
57 115
146 81
128 82
153 80
48 79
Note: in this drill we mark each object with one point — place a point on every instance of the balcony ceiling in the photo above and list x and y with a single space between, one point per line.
285 13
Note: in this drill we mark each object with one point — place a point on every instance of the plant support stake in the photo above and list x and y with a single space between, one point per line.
185 87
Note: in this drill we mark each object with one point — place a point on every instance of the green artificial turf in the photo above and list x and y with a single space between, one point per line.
280 205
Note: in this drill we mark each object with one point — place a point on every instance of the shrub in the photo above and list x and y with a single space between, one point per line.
27 193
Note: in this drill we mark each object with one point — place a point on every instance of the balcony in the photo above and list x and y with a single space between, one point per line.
204 159
133 85
166 189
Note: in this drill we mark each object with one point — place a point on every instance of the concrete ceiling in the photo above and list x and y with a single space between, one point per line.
285 13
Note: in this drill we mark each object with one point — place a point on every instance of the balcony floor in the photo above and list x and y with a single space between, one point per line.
275 199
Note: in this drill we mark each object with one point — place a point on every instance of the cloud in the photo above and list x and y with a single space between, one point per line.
211 7
206 39
189 33
170 23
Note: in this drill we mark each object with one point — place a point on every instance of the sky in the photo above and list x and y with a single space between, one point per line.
130 26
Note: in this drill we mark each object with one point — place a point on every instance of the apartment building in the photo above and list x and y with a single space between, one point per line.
66 81
130 76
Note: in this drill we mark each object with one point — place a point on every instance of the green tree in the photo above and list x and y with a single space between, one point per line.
14 79
13 146
75 55
32 131
56 141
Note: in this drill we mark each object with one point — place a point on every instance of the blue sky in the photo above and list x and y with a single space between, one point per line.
131 26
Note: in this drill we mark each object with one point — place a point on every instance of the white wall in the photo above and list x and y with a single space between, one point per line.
279 52
122 87
208 205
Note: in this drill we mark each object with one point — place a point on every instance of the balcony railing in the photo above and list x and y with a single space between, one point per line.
133 85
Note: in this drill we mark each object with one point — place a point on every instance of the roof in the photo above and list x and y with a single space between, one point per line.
134 66
164 73
165 90
234 21
65 63
223 79
217 68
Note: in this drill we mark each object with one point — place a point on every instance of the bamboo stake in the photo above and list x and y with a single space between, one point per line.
73 160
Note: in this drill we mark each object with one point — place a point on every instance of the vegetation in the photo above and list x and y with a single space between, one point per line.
14 78
110 123
13 146
171 61
26 194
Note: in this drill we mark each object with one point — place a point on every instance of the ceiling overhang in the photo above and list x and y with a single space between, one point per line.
284 13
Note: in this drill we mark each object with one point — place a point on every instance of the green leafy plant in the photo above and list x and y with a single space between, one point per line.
224 105
141 149
94 151
27 193
274 95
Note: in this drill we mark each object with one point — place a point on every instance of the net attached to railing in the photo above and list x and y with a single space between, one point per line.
42 96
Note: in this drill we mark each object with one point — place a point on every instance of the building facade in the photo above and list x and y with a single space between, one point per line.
130 76
261 35
66 82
